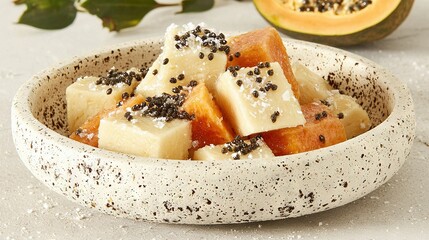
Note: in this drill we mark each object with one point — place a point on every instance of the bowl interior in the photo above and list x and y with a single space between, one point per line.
345 72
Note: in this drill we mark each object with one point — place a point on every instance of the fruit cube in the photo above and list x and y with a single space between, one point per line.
208 126
87 133
312 87
89 95
258 99
145 136
237 149
263 45
322 129
189 53
354 118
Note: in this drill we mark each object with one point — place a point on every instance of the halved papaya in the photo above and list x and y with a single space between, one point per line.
208 126
322 129
263 45
333 22
88 132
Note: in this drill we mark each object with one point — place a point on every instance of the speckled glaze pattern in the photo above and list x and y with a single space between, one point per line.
215 192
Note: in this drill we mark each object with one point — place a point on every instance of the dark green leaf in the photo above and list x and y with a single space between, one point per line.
196 5
120 14
48 14
19 2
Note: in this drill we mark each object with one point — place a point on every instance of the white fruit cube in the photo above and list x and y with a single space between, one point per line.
186 59
87 96
216 152
311 86
145 136
258 99
354 118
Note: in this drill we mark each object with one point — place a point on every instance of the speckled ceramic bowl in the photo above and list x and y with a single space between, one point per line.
210 192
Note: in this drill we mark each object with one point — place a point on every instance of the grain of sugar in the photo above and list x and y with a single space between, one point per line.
92 86
160 122
286 96
90 136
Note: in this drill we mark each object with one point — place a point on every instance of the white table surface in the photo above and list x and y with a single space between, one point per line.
29 210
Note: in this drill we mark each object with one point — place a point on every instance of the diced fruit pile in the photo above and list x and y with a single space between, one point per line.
209 97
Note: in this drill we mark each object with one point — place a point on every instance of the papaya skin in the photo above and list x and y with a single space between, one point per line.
369 34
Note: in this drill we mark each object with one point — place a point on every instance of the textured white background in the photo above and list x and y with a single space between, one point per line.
28 210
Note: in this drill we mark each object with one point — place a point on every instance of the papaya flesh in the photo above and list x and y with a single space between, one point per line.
208 125
262 45
372 21
322 129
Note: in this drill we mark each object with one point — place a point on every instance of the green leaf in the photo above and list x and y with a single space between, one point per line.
48 14
196 5
120 14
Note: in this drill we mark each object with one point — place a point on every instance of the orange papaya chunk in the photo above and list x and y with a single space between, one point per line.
88 132
263 45
322 129
208 126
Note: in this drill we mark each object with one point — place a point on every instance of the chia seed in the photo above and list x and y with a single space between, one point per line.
181 77
109 91
165 61
257 71
270 72
205 38
175 90
210 56
193 83
163 106
125 96
321 115
128 116
274 116
326 103
340 115
273 87
239 147
322 138
255 94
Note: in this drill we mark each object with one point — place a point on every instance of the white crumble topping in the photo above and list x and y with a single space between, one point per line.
195 143
160 122
90 136
286 96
